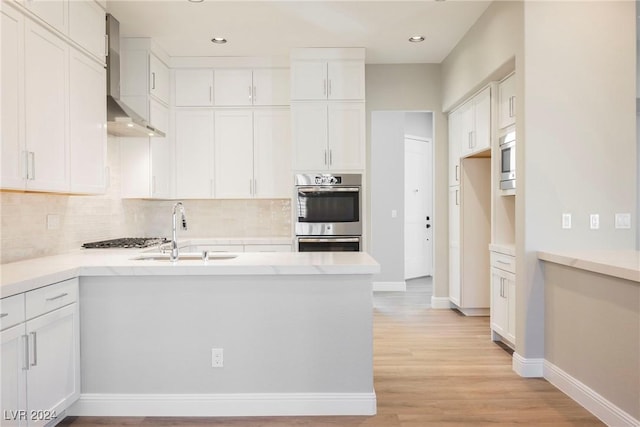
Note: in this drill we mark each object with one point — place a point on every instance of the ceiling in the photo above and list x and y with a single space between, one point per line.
271 28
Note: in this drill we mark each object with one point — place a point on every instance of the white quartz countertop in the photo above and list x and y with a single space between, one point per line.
621 264
26 275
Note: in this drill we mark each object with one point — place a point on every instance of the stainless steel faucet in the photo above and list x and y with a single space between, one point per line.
174 241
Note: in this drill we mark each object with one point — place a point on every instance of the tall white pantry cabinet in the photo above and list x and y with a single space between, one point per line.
53 86
470 203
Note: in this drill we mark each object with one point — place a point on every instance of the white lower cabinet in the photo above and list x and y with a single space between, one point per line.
41 355
503 297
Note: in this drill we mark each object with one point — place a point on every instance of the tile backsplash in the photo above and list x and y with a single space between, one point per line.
24 233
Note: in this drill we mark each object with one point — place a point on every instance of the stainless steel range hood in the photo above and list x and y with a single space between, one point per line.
121 119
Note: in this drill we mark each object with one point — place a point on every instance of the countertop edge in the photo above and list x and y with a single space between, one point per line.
596 263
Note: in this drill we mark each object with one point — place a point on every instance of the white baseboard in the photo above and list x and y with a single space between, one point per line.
390 286
440 302
593 402
528 368
224 405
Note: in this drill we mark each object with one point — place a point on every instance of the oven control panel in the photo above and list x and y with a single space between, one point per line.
328 180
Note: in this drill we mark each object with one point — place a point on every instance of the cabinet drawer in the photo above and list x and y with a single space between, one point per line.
51 297
503 262
11 311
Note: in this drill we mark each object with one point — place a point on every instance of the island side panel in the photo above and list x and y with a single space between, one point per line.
280 334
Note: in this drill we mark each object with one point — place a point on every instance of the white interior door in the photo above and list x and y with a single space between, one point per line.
418 230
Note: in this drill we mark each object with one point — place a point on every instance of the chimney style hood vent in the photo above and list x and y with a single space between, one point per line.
121 119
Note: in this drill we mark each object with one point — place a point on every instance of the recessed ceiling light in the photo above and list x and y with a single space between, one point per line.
150 134
219 40
416 39
129 125
196 1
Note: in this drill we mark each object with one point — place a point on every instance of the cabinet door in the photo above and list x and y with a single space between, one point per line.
455 131
466 128
498 302
482 121
87 119
309 133
194 88
194 154
271 86
346 136
12 89
46 89
158 79
272 154
455 284
510 284
232 87
234 154
13 365
53 381
87 26
507 102
53 12
160 168
345 80
309 80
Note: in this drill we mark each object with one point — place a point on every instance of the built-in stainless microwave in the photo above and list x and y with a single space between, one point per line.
508 161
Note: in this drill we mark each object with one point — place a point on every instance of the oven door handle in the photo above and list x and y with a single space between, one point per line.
303 190
320 240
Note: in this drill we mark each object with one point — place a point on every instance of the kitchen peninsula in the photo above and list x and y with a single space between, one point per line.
291 333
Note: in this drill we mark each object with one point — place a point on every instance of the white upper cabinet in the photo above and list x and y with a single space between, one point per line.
475 124
194 154
46 120
53 12
328 136
232 87
87 130
87 26
12 89
507 102
455 130
234 154
321 79
271 86
194 88
272 153
144 78
158 79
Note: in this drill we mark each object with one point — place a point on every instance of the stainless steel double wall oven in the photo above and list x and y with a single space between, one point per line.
329 212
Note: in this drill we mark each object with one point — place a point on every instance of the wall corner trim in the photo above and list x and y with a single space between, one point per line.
227 404
588 398
440 302
527 368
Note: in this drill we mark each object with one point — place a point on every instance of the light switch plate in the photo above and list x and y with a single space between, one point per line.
566 221
53 222
594 221
623 221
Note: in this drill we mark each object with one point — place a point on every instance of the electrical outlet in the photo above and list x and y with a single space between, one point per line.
53 222
623 220
217 358
594 221
394 213
566 221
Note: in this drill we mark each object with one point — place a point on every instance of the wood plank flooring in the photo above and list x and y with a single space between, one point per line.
431 368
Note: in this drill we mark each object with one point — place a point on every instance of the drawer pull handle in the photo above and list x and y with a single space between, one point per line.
57 297
3 315
503 262
35 349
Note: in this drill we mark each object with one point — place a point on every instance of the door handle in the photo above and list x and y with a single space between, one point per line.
35 349
153 80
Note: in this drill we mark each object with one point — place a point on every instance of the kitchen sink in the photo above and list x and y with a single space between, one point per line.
184 257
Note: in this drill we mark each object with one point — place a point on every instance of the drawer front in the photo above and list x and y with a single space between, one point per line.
51 297
11 311
503 262
267 248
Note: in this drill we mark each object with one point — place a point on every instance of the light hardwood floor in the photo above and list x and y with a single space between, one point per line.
431 368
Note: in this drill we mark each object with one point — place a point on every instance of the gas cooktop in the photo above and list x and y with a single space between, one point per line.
126 242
